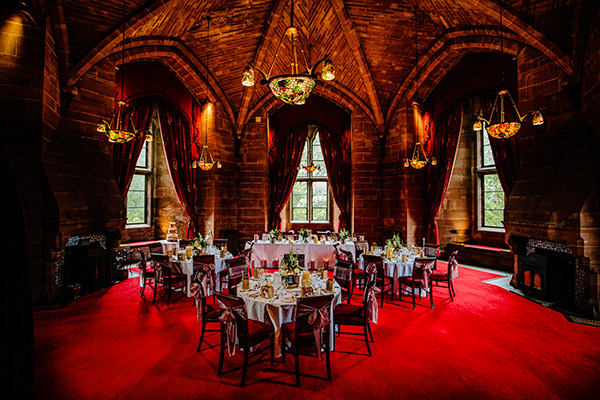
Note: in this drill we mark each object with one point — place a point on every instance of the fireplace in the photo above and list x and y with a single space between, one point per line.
548 275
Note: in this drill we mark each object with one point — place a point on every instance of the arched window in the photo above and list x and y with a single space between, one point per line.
310 195
491 195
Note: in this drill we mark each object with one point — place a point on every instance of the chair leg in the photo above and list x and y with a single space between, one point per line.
413 297
370 333
221 353
328 360
431 295
245 370
168 295
201 335
297 363
450 290
155 285
452 284
367 338
382 293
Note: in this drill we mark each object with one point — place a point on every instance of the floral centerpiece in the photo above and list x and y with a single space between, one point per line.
290 267
395 242
305 234
274 234
344 235
199 243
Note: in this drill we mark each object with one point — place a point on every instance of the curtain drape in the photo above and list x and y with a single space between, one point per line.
177 141
125 155
285 151
505 151
336 151
446 134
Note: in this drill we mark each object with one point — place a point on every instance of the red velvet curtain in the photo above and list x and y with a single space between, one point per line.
285 151
336 151
177 141
446 134
505 151
125 155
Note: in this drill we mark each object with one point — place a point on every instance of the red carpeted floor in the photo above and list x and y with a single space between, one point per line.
487 344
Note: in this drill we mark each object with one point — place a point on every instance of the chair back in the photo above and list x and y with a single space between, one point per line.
431 250
220 242
306 307
143 264
156 248
453 266
236 269
342 273
378 261
183 243
422 269
238 307
246 254
341 254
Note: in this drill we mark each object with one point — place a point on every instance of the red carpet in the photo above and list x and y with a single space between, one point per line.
487 344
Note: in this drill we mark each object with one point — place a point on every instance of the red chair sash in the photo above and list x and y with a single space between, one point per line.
319 319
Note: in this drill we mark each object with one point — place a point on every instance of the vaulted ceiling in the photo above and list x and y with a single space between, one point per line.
372 43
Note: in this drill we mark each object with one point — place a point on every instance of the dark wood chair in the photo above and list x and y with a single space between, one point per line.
383 282
203 276
312 320
431 251
155 248
183 243
147 274
359 274
170 275
236 269
447 277
249 332
342 274
357 315
219 242
420 279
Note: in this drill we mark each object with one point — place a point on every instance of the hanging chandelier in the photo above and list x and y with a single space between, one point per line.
206 161
496 125
121 128
416 161
296 87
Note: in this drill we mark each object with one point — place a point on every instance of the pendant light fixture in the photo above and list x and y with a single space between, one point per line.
296 87
206 161
117 130
496 125
416 161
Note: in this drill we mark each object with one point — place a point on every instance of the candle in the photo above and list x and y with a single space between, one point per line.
423 242
312 264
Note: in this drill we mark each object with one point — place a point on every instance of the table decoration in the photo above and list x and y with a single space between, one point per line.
305 234
329 285
274 234
290 268
267 291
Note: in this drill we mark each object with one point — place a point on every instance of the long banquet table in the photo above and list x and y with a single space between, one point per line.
317 252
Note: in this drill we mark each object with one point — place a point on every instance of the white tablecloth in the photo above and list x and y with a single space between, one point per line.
279 311
166 245
317 252
395 269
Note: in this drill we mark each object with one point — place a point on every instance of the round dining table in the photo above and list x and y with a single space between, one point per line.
280 309
396 268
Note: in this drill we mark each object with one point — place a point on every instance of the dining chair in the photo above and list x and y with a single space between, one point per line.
155 248
342 274
420 279
431 250
170 274
237 328
183 243
236 269
447 276
147 274
309 332
359 315
220 242
359 274
203 280
383 282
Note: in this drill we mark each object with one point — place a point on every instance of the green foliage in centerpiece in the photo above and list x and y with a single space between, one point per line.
200 242
396 241
344 234
289 264
305 233
274 233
